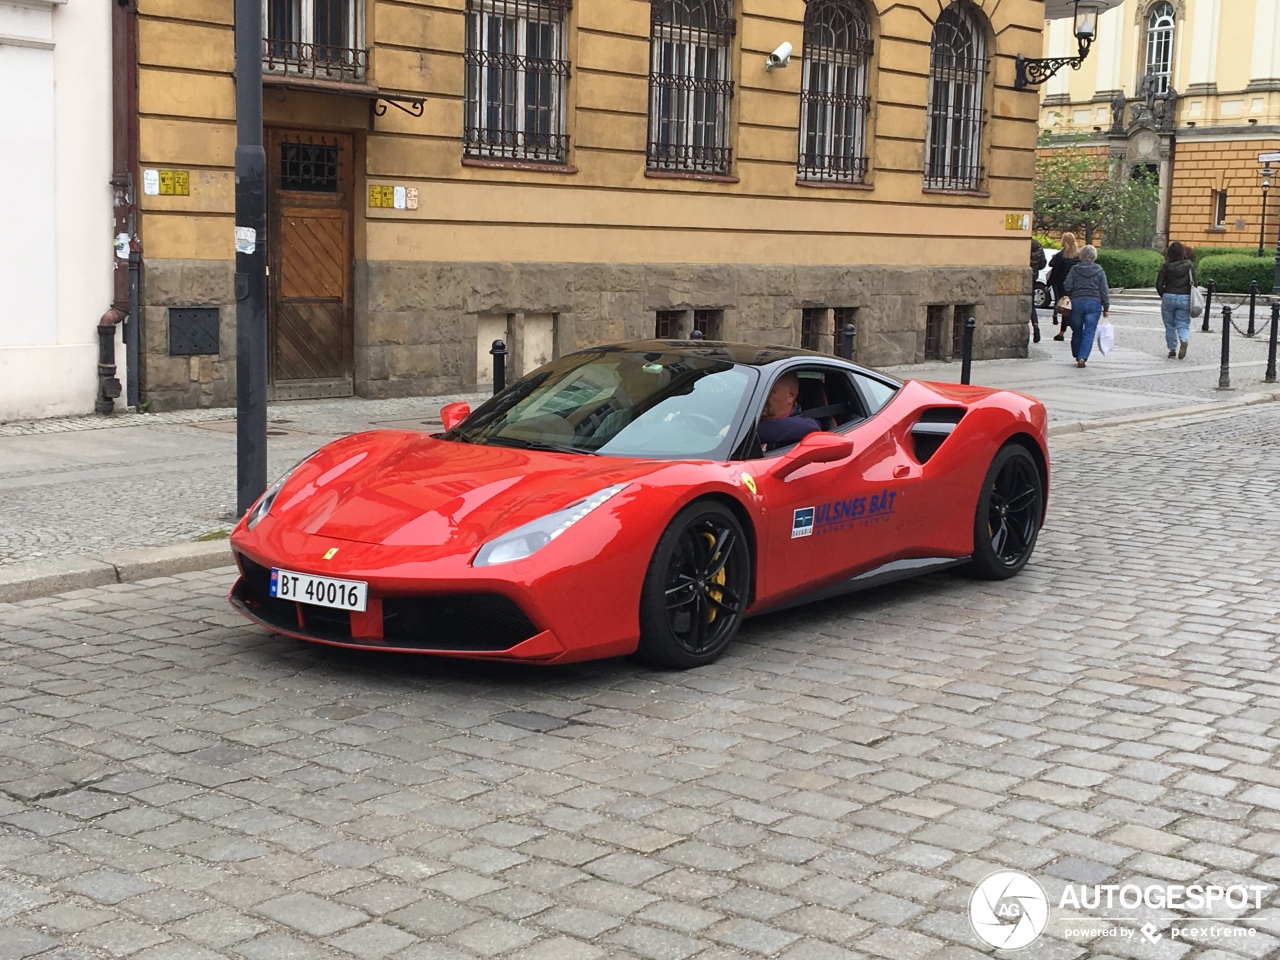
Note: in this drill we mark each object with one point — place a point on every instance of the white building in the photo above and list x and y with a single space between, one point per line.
56 252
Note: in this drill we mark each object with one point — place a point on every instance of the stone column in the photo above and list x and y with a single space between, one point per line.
1266 42
1161 238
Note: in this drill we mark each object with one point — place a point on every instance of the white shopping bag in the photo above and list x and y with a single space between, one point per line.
1106 337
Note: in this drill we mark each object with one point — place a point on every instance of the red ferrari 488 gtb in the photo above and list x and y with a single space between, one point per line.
630 498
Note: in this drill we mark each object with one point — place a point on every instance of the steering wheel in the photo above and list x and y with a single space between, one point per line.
700 422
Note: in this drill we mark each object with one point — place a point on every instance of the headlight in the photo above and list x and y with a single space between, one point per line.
524 541
263 506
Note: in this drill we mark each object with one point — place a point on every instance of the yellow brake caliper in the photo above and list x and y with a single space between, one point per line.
719 578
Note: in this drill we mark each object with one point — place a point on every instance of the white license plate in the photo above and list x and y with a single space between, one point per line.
321 591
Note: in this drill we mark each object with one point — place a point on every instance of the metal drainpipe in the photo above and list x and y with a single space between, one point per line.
124 306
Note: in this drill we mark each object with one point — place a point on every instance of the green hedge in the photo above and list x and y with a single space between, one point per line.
1232 272
1130 268
1202 252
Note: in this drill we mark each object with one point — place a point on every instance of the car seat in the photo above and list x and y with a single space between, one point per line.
813 402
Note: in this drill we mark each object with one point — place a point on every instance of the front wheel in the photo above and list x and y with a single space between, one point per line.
696 588
1040 295
1008 519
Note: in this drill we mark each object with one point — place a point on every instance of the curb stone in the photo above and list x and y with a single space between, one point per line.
42 578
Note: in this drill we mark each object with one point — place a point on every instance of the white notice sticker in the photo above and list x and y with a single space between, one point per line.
399 198
246 239
151 183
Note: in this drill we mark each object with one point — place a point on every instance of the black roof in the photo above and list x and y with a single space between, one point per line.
748 354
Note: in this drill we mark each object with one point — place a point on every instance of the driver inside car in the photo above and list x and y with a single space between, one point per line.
780 422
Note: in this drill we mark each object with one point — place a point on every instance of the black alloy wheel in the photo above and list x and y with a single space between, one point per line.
696 588
1010 508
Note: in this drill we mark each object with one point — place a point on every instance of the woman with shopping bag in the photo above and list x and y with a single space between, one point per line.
1174 283
1086 285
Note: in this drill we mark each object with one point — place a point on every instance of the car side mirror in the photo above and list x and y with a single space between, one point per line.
452 414
815 448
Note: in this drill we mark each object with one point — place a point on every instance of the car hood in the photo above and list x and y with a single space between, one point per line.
398 488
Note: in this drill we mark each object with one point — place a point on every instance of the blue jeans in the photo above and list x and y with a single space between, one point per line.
1175 311
1085 313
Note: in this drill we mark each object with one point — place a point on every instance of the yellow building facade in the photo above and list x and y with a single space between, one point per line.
444 173
1189 90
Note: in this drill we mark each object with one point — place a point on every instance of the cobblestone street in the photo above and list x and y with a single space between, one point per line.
176 784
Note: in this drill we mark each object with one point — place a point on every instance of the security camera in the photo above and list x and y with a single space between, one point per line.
779 58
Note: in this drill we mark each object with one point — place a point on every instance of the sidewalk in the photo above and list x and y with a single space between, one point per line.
96 500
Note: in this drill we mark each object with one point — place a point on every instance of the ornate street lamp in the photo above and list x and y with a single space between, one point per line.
1034 71
1262 228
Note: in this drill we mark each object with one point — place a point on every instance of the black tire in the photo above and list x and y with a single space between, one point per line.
1010 508
1040 295
696 588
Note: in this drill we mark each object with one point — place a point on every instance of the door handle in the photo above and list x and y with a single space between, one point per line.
901 470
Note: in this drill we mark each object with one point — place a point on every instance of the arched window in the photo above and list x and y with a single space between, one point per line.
833 92
517 74
1158 63
957 79
690 85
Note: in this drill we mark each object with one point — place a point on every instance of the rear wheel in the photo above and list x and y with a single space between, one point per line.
696 588
1040 295
1009 511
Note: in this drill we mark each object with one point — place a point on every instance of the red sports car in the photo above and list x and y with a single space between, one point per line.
620 499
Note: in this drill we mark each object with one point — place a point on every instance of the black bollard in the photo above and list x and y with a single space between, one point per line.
1271 350
1253 302
499 353
1224 371
1208 305
966 367
846 341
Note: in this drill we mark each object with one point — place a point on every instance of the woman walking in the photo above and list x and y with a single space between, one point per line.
1059 267
1174 283
1086 285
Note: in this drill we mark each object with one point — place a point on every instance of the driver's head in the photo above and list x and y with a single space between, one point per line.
782 397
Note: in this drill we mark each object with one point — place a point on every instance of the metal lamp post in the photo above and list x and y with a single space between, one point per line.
1262 227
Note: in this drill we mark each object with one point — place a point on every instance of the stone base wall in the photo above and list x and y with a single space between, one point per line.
416 323
187 382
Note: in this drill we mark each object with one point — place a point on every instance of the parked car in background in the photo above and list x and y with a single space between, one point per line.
1040 294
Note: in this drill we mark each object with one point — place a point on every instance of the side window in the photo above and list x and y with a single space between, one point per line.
828 396
877 392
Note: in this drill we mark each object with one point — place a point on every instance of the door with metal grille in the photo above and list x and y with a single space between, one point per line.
310 252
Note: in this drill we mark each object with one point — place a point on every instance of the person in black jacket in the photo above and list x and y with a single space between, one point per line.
1177 276
1037 264
780 422
1059 267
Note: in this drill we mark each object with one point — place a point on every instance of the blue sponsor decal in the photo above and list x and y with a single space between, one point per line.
837 515
802 522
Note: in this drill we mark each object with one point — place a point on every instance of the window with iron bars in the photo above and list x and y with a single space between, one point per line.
844 318
690 85
1159 59
315 39
962 314
833 93
813 324
709 323
517 80
667 324
935 317
957 82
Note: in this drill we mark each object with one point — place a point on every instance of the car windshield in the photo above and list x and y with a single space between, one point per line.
625 404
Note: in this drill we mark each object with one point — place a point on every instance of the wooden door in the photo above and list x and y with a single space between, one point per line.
310 315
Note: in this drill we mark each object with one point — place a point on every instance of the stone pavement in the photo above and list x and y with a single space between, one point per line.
87 500
177 784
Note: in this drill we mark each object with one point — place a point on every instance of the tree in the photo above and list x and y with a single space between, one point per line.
1077 188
